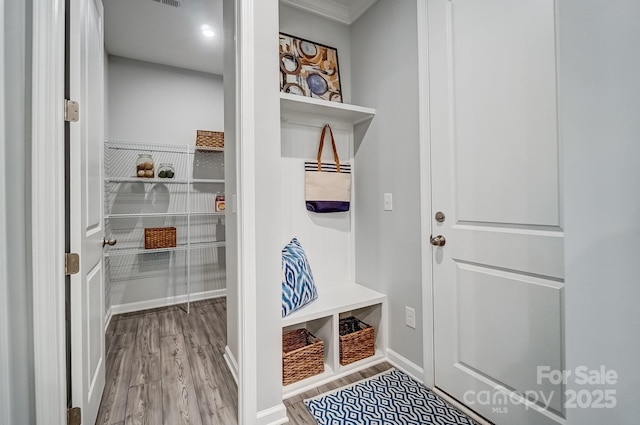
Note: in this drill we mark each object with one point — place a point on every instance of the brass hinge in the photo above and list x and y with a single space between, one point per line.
71 263
74 416
71 111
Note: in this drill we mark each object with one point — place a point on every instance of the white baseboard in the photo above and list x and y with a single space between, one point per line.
231 362
275 415
165 302
463 408
107 319
405 365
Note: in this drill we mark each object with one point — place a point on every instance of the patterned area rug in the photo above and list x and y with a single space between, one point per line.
391 398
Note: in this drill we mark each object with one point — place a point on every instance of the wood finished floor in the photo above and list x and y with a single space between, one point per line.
297 411
166 367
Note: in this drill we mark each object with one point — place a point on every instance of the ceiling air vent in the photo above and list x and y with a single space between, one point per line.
174 3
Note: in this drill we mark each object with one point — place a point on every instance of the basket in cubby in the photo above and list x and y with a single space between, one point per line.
210 139
357 340
159 237
302 356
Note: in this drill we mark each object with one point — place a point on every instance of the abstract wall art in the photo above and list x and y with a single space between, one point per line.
309 69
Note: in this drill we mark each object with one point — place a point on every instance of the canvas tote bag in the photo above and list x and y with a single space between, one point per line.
327 185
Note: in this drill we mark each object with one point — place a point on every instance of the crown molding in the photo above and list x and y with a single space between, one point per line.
334 10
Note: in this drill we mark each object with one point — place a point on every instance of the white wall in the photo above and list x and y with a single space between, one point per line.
161 104
315 28
388 243
600 134
15 172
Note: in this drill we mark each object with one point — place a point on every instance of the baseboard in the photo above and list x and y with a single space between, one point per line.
405 365
463 408
275 415
231 362
107 319
165 302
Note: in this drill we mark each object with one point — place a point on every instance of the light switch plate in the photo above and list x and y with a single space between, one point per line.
410 317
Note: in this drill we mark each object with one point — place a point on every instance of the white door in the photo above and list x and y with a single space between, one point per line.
86 83
498 280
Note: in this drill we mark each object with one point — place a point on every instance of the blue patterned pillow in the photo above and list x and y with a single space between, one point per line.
298 288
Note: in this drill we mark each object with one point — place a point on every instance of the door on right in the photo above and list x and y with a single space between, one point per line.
498 271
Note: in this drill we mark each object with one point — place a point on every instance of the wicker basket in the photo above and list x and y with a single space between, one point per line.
210 139
159 237
302 356
357 340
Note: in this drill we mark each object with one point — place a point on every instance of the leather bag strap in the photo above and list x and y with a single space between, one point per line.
333 146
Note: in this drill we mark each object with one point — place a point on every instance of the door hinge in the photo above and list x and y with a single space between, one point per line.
71 111
74 416
71 263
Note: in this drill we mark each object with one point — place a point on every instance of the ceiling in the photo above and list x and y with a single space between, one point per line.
154 32
151 31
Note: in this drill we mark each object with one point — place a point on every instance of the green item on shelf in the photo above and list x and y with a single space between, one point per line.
162 174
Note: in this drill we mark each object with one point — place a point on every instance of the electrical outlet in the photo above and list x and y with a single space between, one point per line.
410 318
388 202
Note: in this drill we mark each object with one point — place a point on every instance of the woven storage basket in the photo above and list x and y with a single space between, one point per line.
159 237
302 356
357 340
210 139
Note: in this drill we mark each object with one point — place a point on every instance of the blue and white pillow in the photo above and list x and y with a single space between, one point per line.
298 287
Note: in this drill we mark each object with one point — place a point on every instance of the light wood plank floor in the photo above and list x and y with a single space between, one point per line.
166 367
297 411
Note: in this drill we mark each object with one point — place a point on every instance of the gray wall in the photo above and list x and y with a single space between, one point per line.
600 134
388 242
161 104
17 50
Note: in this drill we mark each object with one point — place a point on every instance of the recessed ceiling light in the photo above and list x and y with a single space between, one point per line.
207 31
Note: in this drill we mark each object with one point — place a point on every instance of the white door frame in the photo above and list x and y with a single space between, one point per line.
428 377
246 187
48 208
48 211
5 396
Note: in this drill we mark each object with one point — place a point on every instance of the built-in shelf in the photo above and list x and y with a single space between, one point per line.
182 247
354 114
334 300
180 214
154 180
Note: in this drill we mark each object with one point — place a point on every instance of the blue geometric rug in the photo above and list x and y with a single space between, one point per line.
391 398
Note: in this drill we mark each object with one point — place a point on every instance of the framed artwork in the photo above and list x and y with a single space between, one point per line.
309 69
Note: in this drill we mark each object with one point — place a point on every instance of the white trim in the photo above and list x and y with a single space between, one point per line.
461 407
5 396
425 197
275 415
165 302
47 205
333 10
405 365
245 177
107 318
232 363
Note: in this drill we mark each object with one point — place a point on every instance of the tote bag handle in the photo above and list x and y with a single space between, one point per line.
333 146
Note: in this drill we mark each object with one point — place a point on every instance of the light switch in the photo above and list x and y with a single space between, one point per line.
388 202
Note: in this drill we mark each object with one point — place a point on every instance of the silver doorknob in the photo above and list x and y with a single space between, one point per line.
438 240
110 242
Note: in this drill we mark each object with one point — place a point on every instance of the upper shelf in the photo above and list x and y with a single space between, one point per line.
317 107
335 299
